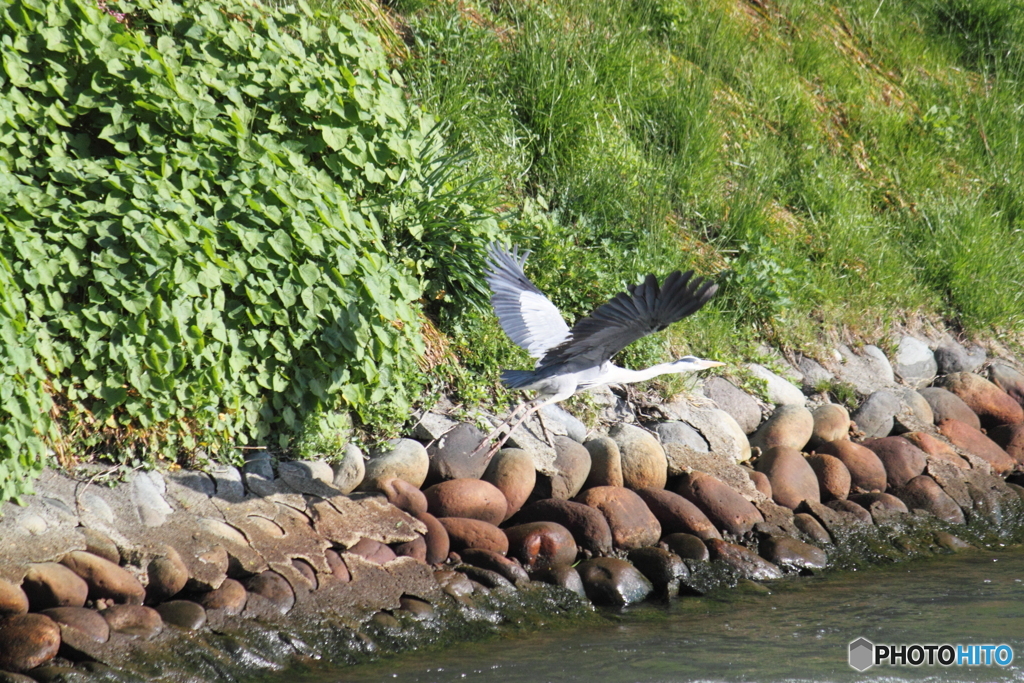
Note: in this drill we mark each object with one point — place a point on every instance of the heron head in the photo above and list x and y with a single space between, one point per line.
691 363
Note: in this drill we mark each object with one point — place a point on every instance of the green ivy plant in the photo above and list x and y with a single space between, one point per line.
201 204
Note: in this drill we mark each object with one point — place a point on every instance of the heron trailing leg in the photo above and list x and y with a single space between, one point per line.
515 425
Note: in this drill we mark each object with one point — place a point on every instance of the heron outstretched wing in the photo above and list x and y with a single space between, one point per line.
627 317
527 316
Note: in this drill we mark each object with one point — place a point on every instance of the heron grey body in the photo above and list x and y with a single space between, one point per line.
569 360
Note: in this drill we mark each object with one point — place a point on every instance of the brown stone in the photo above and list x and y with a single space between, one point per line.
105 579
831 423
976 443
416 549
12 599
167 576
662 568
902 460
789 552
761 483
849 507
274 588
992 405
48 584
586 524
744 561
184 614
935 448
28 641
883 500
307 571
134 620
922 492
339 570
642 458
511 570
541 545
686 546
810 526
230 597
419 609
470 498
790 426
792 479
867 473
632 523
833 477
611 581
605 463
86 621
403 495
464 532
1011 439
438 543
678 515
564 576
513 473
98 543
948 406
726 509
372 550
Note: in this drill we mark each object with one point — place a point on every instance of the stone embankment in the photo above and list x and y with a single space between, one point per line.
188 575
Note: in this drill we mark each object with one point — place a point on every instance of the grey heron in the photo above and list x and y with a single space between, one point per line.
569 360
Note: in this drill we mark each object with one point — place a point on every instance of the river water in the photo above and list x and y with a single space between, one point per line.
799 630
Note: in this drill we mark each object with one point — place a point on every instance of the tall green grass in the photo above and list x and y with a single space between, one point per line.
836 166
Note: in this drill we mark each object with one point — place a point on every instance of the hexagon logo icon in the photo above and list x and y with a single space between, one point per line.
862 654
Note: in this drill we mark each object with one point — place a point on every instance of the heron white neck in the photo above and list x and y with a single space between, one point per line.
617 375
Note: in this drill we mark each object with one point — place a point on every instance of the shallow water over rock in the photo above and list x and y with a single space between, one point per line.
790 630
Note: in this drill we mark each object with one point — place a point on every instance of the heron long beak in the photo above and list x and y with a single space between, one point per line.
705 364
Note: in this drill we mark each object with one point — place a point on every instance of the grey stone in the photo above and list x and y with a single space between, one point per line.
780 390
915 414
574 429
317 470
432 427
350 470
456 456
530 437
915 362
194 480
152 508
733 400
228 481
814 373
1008 379
33 524
866 372
91 505
613 408
952 357
875 415
259 462
724 436
681 433
947 405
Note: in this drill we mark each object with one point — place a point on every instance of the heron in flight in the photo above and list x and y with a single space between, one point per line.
570 360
